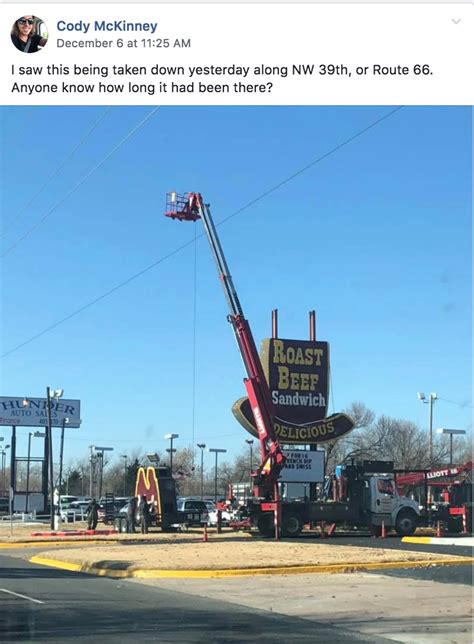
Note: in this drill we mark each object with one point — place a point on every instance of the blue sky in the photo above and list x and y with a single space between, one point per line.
376 238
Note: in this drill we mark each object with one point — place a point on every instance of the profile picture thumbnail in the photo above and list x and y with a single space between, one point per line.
29 34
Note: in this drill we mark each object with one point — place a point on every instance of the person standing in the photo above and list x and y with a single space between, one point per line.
92 515
24 35
132 514
144 511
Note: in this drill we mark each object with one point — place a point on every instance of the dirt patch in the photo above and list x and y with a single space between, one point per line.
228 551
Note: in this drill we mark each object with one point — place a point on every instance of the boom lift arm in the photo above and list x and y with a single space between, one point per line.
191 207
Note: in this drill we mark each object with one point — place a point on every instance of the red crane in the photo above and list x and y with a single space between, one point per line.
191 207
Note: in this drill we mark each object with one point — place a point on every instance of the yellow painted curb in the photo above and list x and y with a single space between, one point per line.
417 539
282 570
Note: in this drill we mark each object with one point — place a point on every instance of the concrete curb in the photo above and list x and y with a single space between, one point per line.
203 574
441 541
62 544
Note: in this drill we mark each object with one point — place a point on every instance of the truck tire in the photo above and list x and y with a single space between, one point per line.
265 524
406 523
117 525
123 525
292 525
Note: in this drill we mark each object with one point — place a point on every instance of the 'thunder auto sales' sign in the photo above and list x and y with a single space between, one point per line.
15 413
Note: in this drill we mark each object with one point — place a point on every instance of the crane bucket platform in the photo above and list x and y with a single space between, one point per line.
183 207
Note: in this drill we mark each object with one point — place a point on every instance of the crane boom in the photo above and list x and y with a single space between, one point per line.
191 207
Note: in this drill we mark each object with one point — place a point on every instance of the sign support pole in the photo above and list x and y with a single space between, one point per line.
312 448
13 465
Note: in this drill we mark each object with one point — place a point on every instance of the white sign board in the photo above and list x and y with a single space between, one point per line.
15 413
303 467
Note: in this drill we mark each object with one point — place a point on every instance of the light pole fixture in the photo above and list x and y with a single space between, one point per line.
202 447
125 459
51 398
216 451
36 435
451 433
431 399
170 438
249 442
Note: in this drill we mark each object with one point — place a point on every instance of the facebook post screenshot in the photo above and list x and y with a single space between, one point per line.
236 270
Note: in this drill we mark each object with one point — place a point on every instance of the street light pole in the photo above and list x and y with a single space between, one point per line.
249 442
431 399
4 469
125 458
91 458
216 452
50 455
100 453
28 472
49 439
65 422
451 433
101 472
202 447
171 437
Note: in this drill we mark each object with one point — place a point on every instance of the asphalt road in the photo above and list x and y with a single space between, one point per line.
44 604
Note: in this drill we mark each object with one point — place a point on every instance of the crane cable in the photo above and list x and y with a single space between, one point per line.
194 338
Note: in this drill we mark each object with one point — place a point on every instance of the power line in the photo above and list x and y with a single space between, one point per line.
313 163
196 237
53 175
103 296
464 405
80 182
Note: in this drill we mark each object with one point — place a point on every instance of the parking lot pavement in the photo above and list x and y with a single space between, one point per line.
402 609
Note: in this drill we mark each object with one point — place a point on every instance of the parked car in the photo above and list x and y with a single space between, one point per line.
193 512
68 498
118 504
226 516
80 509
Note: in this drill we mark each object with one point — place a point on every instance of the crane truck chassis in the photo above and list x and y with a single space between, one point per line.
364 496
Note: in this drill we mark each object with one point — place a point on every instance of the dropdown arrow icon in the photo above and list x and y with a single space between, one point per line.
456 20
